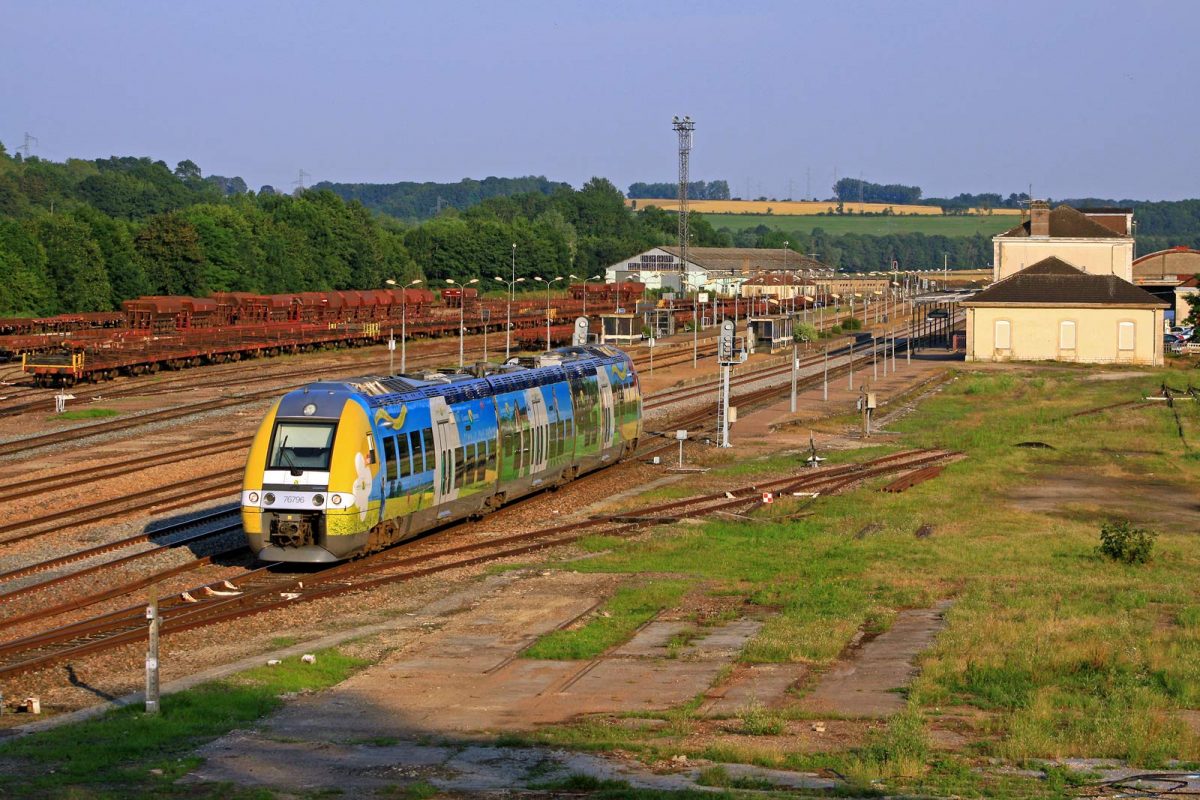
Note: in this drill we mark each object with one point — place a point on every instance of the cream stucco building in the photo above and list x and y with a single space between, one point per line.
1065 233
1053 311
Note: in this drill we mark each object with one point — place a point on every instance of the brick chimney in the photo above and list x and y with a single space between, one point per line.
1039 218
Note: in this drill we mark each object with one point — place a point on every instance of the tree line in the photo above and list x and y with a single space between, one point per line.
697 190
413 202
85 235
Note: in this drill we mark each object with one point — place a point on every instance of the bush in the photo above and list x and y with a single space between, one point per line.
836 330
803 331
1121 540
851 324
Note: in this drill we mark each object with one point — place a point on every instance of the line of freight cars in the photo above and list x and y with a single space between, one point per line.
169 332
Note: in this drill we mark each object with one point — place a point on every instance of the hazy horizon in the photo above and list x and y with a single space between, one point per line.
1079 99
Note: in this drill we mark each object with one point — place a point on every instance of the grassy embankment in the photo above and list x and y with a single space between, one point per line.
127 753
1054 651
868 225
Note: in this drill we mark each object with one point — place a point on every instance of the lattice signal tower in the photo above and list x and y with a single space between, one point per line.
684 127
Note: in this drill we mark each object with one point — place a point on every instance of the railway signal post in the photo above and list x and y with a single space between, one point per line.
152 656
725 357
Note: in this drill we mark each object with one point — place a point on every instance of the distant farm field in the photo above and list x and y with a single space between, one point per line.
869 225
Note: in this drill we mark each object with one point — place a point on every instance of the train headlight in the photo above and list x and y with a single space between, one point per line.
336 499
268 498
252 497
318 500
310 409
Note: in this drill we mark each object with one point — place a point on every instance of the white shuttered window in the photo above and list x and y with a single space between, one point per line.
1125 335
1003 334
1066 335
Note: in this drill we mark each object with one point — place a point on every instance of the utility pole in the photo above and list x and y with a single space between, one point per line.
299 182
683 127
27 145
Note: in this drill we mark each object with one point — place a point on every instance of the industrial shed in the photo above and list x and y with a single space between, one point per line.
1054 311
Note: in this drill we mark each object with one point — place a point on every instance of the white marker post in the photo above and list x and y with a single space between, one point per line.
825 383
795 369
681 436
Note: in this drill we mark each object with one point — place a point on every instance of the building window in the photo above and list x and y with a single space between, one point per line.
1066 335
1003 334
1125 335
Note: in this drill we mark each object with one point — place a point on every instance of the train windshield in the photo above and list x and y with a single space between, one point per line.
301 445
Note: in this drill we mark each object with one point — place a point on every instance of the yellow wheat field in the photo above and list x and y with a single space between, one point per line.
789 208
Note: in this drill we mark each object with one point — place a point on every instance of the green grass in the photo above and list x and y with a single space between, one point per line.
1064 653
869 225
127 753
87 413
628 609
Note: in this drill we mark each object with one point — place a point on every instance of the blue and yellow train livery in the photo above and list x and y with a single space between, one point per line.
338 469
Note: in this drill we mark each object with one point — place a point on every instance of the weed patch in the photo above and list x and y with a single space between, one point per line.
629 608
87 413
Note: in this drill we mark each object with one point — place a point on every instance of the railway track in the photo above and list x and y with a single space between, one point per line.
263 590
838 477
223 483
214 375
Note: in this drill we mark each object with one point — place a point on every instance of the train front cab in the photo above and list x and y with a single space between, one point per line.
307 495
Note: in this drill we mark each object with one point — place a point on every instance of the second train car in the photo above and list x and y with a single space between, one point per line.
338 469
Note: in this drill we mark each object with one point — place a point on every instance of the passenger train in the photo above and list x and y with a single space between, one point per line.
339 469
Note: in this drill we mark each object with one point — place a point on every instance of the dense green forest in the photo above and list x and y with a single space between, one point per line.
413 202
85 235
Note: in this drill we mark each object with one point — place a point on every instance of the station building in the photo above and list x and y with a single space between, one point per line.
1055 311
721 270
1098 241
1170 275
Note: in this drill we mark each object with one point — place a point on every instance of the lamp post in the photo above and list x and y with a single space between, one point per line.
540 279
585 283
403 325
462 302
512 285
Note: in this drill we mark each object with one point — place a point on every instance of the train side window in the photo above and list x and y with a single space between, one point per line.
405 457
460 466
427 440
414 443
480 461
389 452
371 457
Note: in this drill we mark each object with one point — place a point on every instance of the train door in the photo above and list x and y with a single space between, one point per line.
446 443
607 416
537 430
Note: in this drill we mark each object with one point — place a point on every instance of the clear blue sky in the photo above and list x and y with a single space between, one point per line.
1080 98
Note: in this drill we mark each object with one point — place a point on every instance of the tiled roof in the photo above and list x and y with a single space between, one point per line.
1054 282
751 258
1067 223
